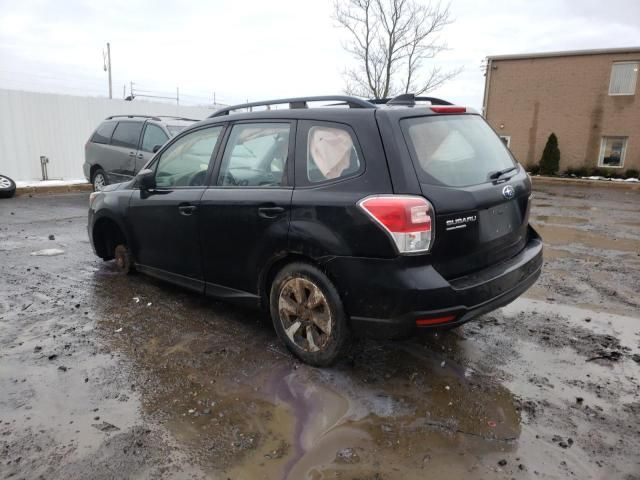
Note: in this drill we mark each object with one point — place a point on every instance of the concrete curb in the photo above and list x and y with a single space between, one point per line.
537 180
53 190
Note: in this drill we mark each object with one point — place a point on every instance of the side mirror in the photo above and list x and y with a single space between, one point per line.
156 148
146 180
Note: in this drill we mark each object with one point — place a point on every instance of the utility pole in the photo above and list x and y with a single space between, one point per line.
107 67
177 96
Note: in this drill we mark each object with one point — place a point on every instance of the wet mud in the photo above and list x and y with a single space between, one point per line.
105 376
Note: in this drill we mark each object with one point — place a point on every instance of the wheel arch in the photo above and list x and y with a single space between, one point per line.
94 168
272 268
106 234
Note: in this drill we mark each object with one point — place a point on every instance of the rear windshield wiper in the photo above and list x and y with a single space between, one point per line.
499 173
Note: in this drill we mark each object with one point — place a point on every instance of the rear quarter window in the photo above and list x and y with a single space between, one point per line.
103 133
331 153
455 150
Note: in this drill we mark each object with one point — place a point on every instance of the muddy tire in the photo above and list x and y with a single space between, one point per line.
308 315
123 259
99 180
7 187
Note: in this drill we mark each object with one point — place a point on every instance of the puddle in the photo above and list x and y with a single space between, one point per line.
559 235
559 219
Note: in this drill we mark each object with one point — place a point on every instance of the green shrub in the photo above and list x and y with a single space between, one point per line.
550 161
533 169
578 172
605 172
631 173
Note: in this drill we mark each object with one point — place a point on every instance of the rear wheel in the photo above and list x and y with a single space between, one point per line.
99 180
308 315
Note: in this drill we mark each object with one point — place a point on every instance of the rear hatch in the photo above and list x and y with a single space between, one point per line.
479 192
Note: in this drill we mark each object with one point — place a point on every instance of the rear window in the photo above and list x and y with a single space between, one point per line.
127 134
103 133
455 151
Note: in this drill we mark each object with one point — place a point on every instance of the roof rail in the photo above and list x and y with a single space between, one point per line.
179 118
298 102
153 117
408 99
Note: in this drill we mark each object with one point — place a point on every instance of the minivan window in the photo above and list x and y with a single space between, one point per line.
456 151
127 134
153 135
255 155
103 133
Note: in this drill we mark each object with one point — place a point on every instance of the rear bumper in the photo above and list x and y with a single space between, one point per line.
385 298
86 169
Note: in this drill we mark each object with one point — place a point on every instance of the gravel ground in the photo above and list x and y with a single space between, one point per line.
104 376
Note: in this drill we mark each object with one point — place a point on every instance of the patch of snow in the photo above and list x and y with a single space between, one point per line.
632 179
49 183
48 252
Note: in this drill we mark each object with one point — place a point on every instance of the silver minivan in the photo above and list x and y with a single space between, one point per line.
123 144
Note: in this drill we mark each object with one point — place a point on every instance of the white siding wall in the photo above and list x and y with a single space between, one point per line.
58 126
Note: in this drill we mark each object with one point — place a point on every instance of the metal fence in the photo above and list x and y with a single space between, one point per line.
58 126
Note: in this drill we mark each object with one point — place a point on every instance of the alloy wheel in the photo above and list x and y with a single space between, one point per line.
305 314
99 182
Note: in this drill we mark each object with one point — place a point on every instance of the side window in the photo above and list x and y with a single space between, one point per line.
186 161
153 135
331 153
127 134
103 133
255 155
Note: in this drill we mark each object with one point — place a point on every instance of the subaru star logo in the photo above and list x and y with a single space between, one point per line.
508 192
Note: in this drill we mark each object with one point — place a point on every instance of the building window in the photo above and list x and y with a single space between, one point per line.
623 78
612 150
506 139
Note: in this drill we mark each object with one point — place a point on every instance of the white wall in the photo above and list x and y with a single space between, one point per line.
58 126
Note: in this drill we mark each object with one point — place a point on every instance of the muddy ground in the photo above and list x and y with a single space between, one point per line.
104 376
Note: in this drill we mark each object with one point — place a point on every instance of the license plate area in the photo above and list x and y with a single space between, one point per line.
500 220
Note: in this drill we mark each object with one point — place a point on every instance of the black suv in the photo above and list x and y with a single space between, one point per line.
378 219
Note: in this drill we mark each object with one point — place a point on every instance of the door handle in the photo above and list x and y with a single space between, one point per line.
186 209
270 212
140 156
132 154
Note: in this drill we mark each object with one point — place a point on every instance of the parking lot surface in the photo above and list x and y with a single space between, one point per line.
109 376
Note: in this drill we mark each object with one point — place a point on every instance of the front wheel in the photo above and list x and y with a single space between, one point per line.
308 315
123 259
99 180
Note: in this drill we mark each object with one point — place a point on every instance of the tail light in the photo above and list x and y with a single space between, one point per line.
407 219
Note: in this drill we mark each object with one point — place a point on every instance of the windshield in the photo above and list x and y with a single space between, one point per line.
176 129
456 151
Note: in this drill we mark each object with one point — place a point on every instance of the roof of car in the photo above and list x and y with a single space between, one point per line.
157 118
341 107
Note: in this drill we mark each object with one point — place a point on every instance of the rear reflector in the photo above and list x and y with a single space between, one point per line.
407 220
423 322
449 109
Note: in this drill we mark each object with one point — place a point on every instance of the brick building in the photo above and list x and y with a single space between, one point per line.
588 98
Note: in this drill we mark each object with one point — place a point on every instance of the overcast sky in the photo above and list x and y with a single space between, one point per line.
257 49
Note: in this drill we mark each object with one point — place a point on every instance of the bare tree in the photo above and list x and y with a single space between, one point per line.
390 40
